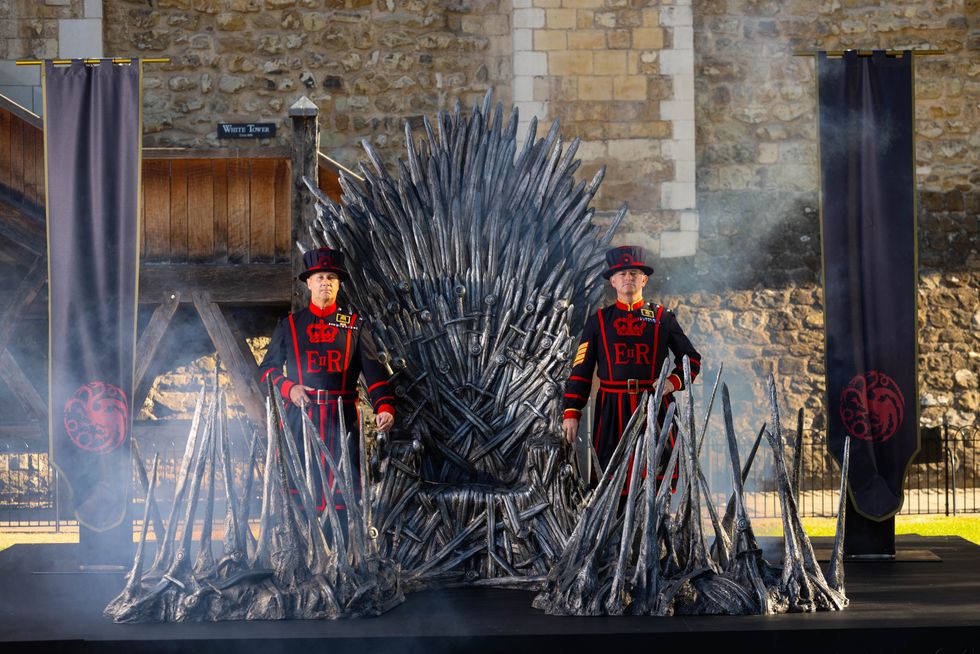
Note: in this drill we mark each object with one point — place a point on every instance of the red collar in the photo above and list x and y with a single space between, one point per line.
324 312
629 307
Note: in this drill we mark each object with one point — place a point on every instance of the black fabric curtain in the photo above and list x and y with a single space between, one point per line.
92 132
869 265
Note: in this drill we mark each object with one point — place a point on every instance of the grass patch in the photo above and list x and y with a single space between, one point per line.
967 527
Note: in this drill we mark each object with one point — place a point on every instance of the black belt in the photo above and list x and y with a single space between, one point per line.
631 386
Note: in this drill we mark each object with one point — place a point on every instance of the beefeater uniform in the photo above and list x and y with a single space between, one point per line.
327 349
629 344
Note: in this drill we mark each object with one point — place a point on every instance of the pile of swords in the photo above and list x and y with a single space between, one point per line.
652 556
447 534
303 563
474 262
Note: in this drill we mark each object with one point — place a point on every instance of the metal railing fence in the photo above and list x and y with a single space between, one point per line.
944 478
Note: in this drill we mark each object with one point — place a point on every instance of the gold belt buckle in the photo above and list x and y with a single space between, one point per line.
632 386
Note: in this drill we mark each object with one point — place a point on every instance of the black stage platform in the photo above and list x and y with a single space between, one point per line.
895 607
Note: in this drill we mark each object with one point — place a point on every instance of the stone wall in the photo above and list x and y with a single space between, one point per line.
367 65
752 291
620 76
750 295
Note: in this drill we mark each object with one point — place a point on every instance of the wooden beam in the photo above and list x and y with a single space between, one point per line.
150 339
239 284
26 115
305 146
26 291
22 223
271 152
22 388
244 372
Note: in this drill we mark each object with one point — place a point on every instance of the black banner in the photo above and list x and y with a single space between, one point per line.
869 265
92 132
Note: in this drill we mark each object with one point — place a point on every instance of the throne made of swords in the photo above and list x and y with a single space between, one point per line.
474 262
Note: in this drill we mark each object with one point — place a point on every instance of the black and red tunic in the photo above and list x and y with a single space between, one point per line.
327 349
629 343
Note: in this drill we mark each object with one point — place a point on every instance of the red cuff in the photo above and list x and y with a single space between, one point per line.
571 413
678 384
386 408
286 387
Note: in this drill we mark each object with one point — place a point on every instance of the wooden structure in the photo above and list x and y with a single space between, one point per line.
218 230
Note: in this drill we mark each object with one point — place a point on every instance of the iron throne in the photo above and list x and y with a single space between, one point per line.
472 261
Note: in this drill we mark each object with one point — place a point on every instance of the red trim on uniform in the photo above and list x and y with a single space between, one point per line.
324 312
629 307
656 341
381 400
679 384
324 410
571 413
374 386
286 387
266 374
299 364
386 408
343 377
577 378
605 346
577 397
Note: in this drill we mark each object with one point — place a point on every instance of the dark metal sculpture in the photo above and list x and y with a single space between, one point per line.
475 263
301 564
476 260
652 557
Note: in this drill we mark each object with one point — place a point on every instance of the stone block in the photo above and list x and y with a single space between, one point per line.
677 110
79 37
92 9
633 87
611 62
528 18
230 22
684 87
683 38
605 19
618 40
587 40
684 130
677 62
678 195
629 149
676 150
560 19
678 244
599 150
768 153
523 40
530 63
689 221
584 19
523 88
550 40
676 15
570 62
647 38
595 88
684 171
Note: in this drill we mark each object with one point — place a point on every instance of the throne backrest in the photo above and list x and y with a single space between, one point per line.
475 263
